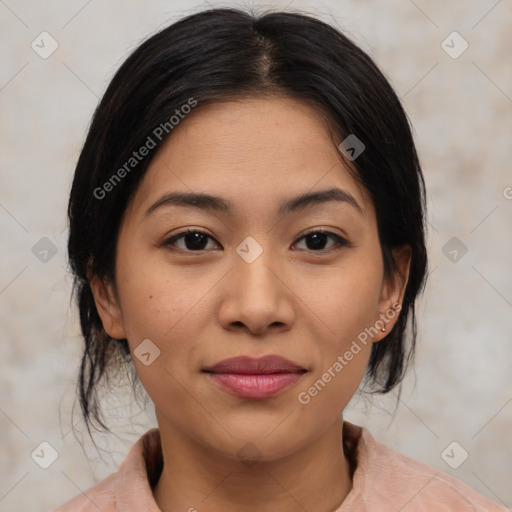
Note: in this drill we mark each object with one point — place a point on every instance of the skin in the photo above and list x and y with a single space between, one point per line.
297 300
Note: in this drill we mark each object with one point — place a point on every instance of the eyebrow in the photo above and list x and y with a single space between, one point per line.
218 204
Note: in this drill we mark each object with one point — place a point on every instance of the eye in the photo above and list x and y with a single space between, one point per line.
193 240
317 240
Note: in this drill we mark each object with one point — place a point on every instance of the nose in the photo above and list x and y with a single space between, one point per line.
256 297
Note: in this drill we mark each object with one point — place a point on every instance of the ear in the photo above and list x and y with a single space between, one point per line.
108 308
393 290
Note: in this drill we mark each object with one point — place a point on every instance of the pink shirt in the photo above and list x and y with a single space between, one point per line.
383 481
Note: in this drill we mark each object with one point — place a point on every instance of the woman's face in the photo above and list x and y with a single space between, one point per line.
257 282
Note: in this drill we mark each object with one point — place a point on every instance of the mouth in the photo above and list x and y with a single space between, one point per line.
247 377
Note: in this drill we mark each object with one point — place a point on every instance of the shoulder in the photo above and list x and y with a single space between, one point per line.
130 487
385 478
99 497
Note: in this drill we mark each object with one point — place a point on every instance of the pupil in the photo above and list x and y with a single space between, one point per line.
318 240
196 238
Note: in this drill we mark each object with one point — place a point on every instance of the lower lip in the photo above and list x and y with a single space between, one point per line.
255 386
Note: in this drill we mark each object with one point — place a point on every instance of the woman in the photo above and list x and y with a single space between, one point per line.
247 226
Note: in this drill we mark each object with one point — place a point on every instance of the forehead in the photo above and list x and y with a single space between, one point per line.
254 152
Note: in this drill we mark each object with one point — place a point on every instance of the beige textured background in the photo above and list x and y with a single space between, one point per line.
461 110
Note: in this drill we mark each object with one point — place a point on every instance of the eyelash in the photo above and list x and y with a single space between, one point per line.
340 241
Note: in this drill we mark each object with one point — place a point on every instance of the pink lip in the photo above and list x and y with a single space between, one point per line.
247 377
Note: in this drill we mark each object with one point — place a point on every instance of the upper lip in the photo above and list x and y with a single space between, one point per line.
255 366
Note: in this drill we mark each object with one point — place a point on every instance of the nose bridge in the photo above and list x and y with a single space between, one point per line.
254 268
255 295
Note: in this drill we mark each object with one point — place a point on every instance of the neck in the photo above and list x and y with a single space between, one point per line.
316 477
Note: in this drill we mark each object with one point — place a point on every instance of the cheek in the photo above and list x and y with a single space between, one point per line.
348 306
162 303
346 299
